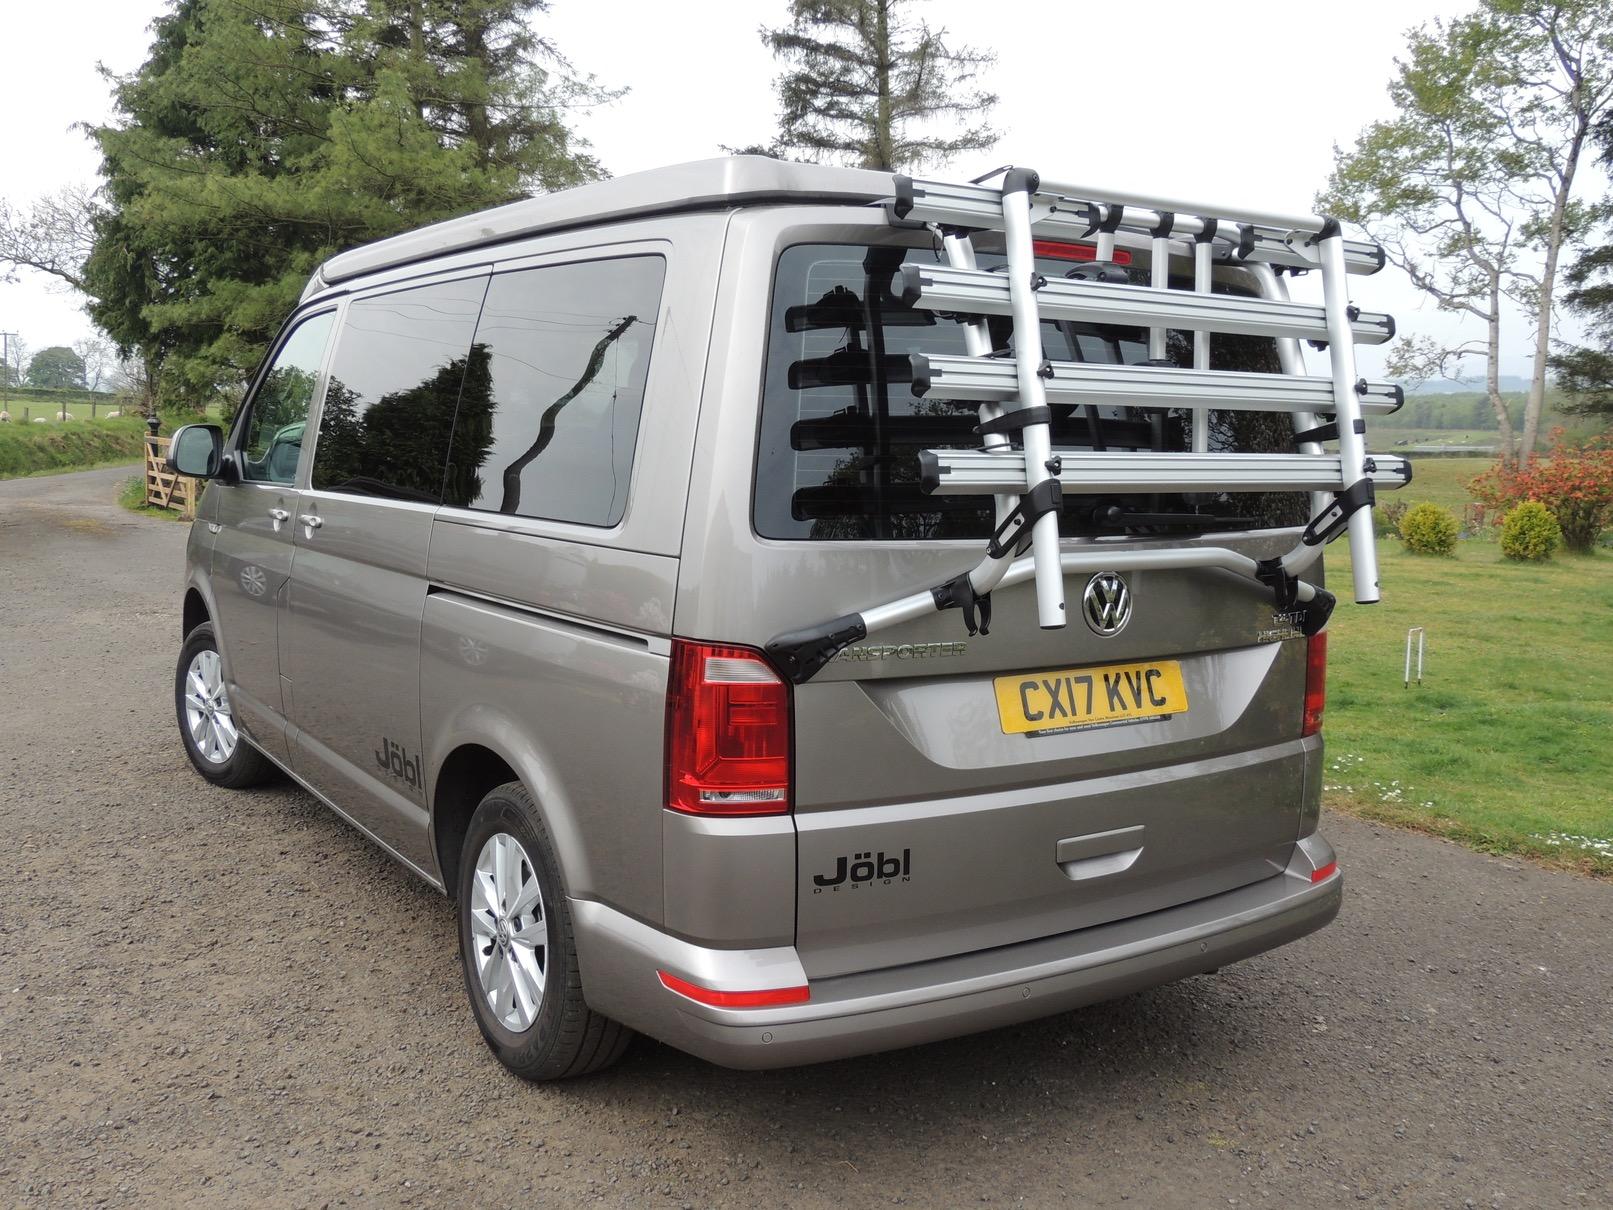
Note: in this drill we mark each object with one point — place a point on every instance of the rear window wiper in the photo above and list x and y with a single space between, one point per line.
1115 516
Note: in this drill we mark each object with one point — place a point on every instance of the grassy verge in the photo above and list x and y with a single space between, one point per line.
132 496
28 449
1506 745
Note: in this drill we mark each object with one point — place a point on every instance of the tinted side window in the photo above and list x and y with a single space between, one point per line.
550 412
394 382
279 410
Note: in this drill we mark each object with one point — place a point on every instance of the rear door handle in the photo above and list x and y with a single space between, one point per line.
1100 853
279 516
310 523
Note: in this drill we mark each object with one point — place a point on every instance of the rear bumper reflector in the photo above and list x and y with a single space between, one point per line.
765 998
1318 875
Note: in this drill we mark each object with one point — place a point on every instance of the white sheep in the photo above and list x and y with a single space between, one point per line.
69 416
5 417
41 420
114 413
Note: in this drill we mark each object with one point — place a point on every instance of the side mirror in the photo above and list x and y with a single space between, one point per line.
197 450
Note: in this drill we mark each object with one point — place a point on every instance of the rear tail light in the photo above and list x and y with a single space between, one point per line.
727 732
765 998
1315 683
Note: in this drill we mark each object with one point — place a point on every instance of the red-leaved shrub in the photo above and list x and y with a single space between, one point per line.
1576 484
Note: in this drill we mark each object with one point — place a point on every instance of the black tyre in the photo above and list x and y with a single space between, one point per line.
217 750
515 939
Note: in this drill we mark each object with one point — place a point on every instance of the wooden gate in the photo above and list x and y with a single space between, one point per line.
164 489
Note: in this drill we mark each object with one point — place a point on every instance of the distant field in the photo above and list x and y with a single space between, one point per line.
1386 440
1506 745
49 404
1442 481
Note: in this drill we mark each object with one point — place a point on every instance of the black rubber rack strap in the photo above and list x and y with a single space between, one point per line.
1283 583
1015 420
1014 534
1328 432
1330 522
1101 271
1285 591
959 593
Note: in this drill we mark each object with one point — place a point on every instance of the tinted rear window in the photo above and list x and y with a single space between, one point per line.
841 429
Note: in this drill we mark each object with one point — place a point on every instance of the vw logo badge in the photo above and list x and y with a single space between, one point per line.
1106 604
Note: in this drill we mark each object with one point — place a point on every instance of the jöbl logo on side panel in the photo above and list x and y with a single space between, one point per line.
391 757
862 868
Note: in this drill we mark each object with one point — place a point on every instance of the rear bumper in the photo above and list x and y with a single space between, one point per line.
926 1001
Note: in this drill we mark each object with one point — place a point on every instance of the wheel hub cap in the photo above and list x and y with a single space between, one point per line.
509 931
207 709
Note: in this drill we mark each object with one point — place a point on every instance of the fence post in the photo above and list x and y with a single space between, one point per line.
152 465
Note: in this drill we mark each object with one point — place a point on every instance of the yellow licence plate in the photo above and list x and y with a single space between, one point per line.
1034 703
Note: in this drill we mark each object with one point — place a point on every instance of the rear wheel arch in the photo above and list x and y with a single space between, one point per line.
467 775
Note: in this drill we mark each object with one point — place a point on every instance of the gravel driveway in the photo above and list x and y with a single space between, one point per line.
220 998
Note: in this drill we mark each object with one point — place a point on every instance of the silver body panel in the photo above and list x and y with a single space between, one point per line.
1044 874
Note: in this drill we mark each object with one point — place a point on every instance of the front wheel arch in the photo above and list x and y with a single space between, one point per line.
195 612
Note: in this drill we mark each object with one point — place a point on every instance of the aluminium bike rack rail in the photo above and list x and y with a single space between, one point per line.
1014 391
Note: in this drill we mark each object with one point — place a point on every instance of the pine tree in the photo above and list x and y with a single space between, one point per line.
480 77
870 86
1586 371
258 139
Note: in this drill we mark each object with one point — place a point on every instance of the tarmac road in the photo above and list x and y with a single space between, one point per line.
221 998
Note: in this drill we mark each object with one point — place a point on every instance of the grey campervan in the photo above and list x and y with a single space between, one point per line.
531 552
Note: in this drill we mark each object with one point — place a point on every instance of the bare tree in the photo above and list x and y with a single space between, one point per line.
17 358
1471 187
98 357
130 381
53 236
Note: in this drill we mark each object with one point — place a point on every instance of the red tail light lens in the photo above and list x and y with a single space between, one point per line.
1055 250
727 732
1315 682
1325 872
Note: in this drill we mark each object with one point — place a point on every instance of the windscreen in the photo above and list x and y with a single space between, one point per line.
841 429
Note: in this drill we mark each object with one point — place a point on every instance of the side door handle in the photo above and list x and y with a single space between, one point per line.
279 516
310 522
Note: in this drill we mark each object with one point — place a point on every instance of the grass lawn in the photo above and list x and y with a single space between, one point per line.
1441 480
1508 744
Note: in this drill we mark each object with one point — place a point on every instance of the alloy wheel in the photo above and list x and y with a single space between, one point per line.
509 931
207 709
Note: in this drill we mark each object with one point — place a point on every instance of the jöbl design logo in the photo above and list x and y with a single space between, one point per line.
391 757
863 868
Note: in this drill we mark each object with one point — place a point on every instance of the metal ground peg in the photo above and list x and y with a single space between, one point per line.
1418 632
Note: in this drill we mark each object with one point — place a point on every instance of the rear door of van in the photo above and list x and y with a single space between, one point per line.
953 793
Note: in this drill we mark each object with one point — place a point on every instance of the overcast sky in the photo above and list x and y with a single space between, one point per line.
1240 103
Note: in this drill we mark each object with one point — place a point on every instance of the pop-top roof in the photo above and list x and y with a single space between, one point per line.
703 184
